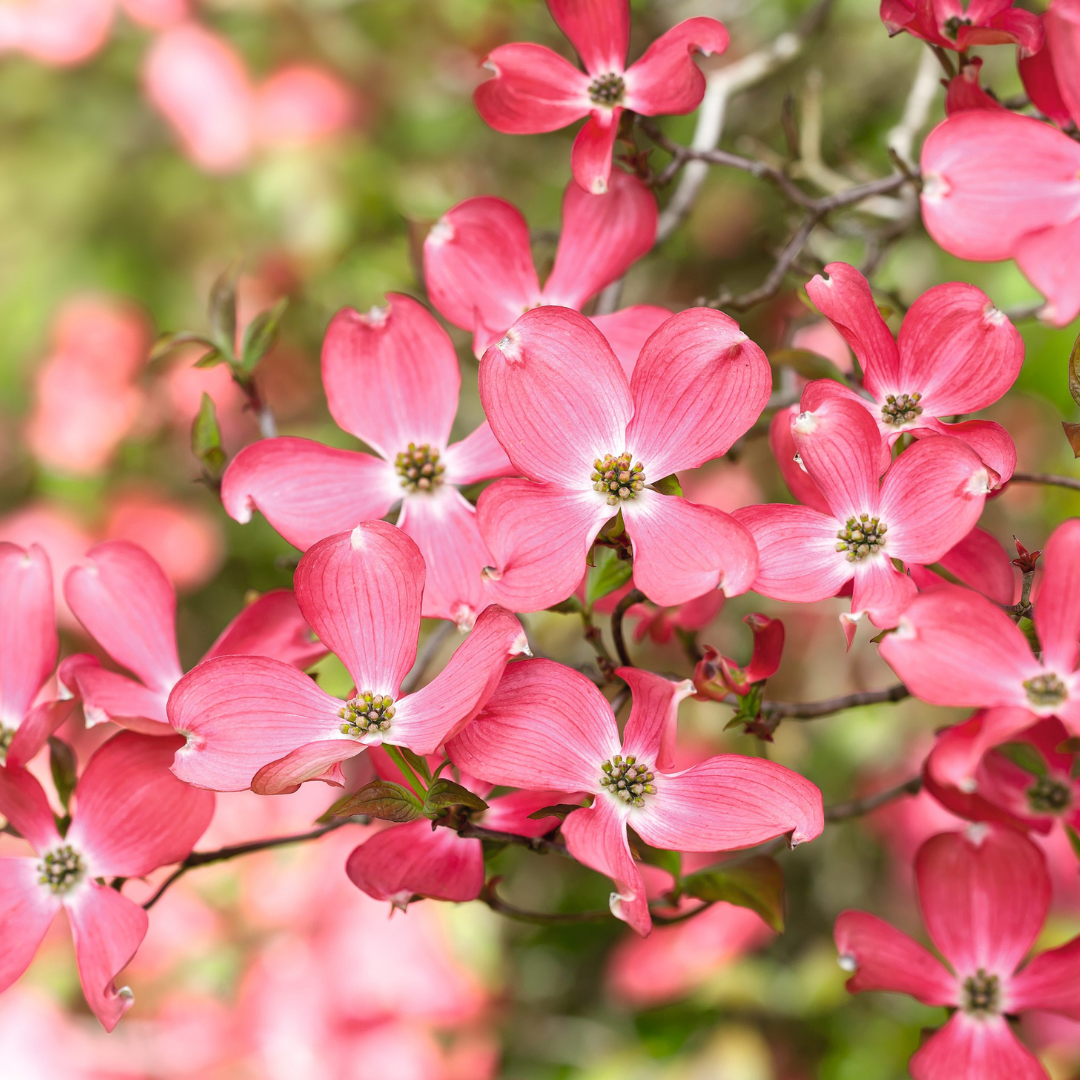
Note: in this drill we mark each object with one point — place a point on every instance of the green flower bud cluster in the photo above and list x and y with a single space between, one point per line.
901 409
419 468
628 780
1046 689
607 89
861 536
617 477
61 869
366 714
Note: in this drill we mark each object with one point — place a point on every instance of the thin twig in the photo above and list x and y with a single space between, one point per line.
811 710
432 644
540 844
634 596
1050 479
858 807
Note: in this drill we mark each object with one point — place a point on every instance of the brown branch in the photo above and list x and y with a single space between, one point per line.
1050 479
857 807
634 596
811 710
469 831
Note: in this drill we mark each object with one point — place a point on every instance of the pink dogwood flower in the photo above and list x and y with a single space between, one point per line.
1062 23
536 90
984 895
55 32
950 25
131 816
253 721
591 444
392 380
480 274
1038 73
127 605
548 727
930 497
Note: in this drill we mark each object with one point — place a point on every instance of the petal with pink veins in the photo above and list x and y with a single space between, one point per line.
479 456
881 591
511 813
798 480
990 441
533 90
980 562
1057 611
108 695
666 81
654 715
599 31
28 641
590 156
24 804
1050 982
26 912
32 734
313 761
270 626
970 1048
627 331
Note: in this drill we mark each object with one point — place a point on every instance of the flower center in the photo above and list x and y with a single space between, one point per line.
951 27
419 468
617 477
607 89
901 409
627 780
1045 689
980 996
6 735
861 536
366 714
1049 796
61 869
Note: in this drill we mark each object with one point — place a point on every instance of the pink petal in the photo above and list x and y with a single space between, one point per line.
306 490
26 912
967 1048
131 814
590 156
426 719
28 642
239 713
666 81
539 705
627 331
1062 22
782 444
533 90
980 562
1040 81
303 104
479 456
539 536
1008 26
555 397
883 958
24 804
313 761
1045 258
597 838
1051 981
984 895
954 647
361 592
989 440
698 385
602 236
32 734
108 695
391 376
270 626
108 929
416 860
599 30
128 607
729 802
1057 613
881 591
478 265
682 550
510 813
654 715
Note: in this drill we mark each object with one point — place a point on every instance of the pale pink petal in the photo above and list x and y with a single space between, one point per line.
479 456
590 156
361 592
108 695
698 385
666 81
989 440
38 724
881 591
883 958
1057 613
26 912
510 813
784 450
28 642
1051 981
533 90
239 713
313 761
308 491
1047 257
599 30
391 376
108 928
654 715
537 706
970 1048
24 804
628 330
270 626
682 550
980 562
602 236
302 104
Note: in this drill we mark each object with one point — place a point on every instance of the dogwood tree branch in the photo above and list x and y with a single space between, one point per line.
857 807
634 596
1051 479
811 710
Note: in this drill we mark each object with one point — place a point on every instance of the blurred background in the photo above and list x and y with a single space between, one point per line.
147 145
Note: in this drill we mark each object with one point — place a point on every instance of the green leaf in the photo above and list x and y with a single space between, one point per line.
206 436
570 606
445 793
417 761
167 342
62 767
260 335
1074 371
668 485
810 365
609 573
380 799
1027 626
210 359
223 311
1025 756
756 883
560 810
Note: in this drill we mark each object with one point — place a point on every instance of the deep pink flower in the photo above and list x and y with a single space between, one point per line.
566 414
984 895
716 676
1002 186
131 816
392 379
947 24
535 89
480 274
1039 76
127 605
254 721
548 727
930 497
1062 22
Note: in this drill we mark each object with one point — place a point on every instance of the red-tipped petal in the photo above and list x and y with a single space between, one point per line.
313 761
479 456
798 481
533 90
970 1048
628 330
654 716
666 81
28 642
1051 981
599 30
24 804
1057 613
271 626
26 912
590 156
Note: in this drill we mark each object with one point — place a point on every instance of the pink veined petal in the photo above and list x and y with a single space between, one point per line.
886 959
1062 23
23 803
1045 258
970 1049
306 490
443 524
478 264
510 813
131 814
957 350
954 647
426 719
313 761
479 456
539 705
239 713
391 376
654 716
270 626
533 90
666 81
797 556
28 641
1057 614
598 29
1051 981
128 607
602 236
590 156
108 695
414 860
596 837
361 593
555 397
26 912
38 724
1040 81
931 498
798 481
984 895
729 802
682 549
539 536
989 440
881 591
698 385
980 562
108 929
627 331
